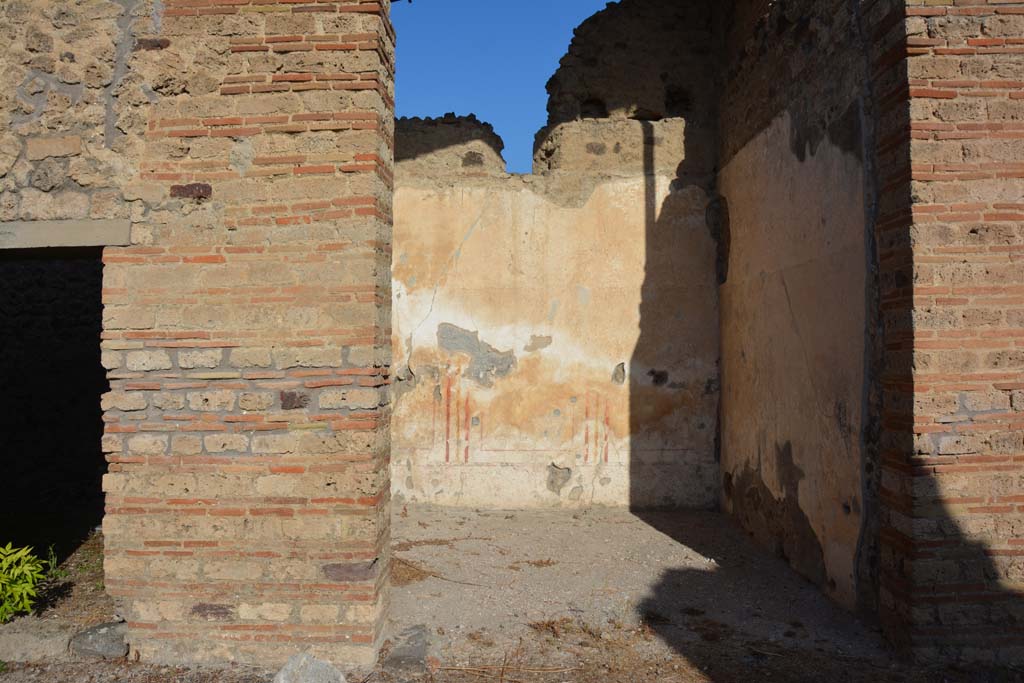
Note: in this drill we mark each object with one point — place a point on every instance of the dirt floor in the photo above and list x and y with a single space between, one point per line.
552 597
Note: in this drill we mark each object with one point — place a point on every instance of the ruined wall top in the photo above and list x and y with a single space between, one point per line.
632 65
638 59
448 145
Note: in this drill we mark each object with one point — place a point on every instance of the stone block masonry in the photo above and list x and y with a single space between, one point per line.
954 569
246 333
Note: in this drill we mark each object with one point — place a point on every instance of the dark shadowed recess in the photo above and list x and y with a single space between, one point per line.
52 382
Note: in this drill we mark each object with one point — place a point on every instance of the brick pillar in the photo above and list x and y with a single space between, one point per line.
247 334
953 581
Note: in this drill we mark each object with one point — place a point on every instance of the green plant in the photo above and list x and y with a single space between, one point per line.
20 573
53 569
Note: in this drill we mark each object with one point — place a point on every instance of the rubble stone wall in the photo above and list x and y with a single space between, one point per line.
62 115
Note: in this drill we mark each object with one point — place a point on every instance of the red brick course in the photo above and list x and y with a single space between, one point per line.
247 342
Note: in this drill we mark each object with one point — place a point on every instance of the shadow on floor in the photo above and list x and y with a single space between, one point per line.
725 620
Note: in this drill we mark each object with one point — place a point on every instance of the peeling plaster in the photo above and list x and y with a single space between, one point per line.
486 362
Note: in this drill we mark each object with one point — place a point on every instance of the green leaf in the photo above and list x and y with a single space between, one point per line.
21 572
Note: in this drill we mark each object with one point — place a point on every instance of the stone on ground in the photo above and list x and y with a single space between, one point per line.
409 652
105 641
305 668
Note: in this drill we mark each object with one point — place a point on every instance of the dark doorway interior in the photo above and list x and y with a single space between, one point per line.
52 381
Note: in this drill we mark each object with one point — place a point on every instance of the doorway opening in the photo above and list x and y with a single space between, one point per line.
51 312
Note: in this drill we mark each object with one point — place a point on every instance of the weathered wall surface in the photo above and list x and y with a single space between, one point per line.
556 335
635 61
795 351
516 319
61 113
449 145
247 327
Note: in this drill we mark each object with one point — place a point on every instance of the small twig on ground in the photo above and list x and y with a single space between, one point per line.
513 669
487 675
764 652
438 576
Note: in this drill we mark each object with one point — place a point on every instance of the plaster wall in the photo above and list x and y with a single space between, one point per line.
799 344
793 320
516 320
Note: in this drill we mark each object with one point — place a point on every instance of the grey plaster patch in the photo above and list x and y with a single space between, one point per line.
35 89
123 50
305 668
558 477
242 155
486 362
157 15
619 374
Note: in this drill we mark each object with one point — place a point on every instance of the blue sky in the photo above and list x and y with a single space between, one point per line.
491 58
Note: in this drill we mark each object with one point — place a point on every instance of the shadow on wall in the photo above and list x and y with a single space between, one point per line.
636 66
645 70
924 571
670 304
50 419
